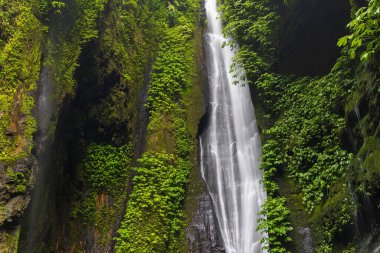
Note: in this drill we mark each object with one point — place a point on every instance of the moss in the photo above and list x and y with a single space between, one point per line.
353 101
12 241
21 39
372 163
106 169
365 169
298 216
154 218
160 133
20 58
194 106
17 181
113 68
338 205
85 209
95 213
74 26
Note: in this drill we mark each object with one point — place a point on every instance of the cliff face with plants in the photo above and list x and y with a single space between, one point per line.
100 102
21 36
84 70
317 105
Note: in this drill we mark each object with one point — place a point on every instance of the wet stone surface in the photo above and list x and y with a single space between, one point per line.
202 232
306 234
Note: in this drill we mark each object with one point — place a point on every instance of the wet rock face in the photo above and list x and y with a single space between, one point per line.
14 196
306 234
308 35
13 209
202 233
15 183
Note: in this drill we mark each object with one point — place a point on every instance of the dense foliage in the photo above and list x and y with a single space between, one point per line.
20 56
75 23
365 38
305 140
275 225
303 144
22 34
154 217
23 29
111 72
308 132
106 170
362 109
252 26
105 167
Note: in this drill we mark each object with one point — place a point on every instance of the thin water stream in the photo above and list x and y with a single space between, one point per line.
36 218
230 148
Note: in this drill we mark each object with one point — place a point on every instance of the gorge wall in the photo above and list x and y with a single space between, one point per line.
101 103
307 86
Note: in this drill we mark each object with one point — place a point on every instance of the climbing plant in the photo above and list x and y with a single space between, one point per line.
154 219
364 40
252 27
274 225
304 140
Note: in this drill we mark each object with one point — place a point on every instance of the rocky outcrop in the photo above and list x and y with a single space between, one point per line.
202 233
15 181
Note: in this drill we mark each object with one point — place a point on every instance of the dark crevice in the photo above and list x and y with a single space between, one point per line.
310 30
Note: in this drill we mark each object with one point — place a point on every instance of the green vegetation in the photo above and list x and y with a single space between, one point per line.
334 215
154 218
307 116
127 35
304 141
20 55
154 211
308 131
106 171
105 167
306 122
252 25
365 38
365 169
120 50
275 224
16 181
363 46
75 24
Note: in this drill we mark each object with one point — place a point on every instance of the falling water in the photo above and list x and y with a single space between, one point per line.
230 148
34 227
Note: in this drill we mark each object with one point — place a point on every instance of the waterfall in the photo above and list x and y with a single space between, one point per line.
37 215
230 148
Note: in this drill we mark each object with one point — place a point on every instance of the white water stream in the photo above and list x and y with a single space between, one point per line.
230 148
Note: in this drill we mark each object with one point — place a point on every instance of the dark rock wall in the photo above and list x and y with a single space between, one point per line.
202 233
308 35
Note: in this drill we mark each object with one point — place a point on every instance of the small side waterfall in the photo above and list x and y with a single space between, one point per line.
35 224
230 148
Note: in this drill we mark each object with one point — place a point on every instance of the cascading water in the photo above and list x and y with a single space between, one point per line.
230 148
35 225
